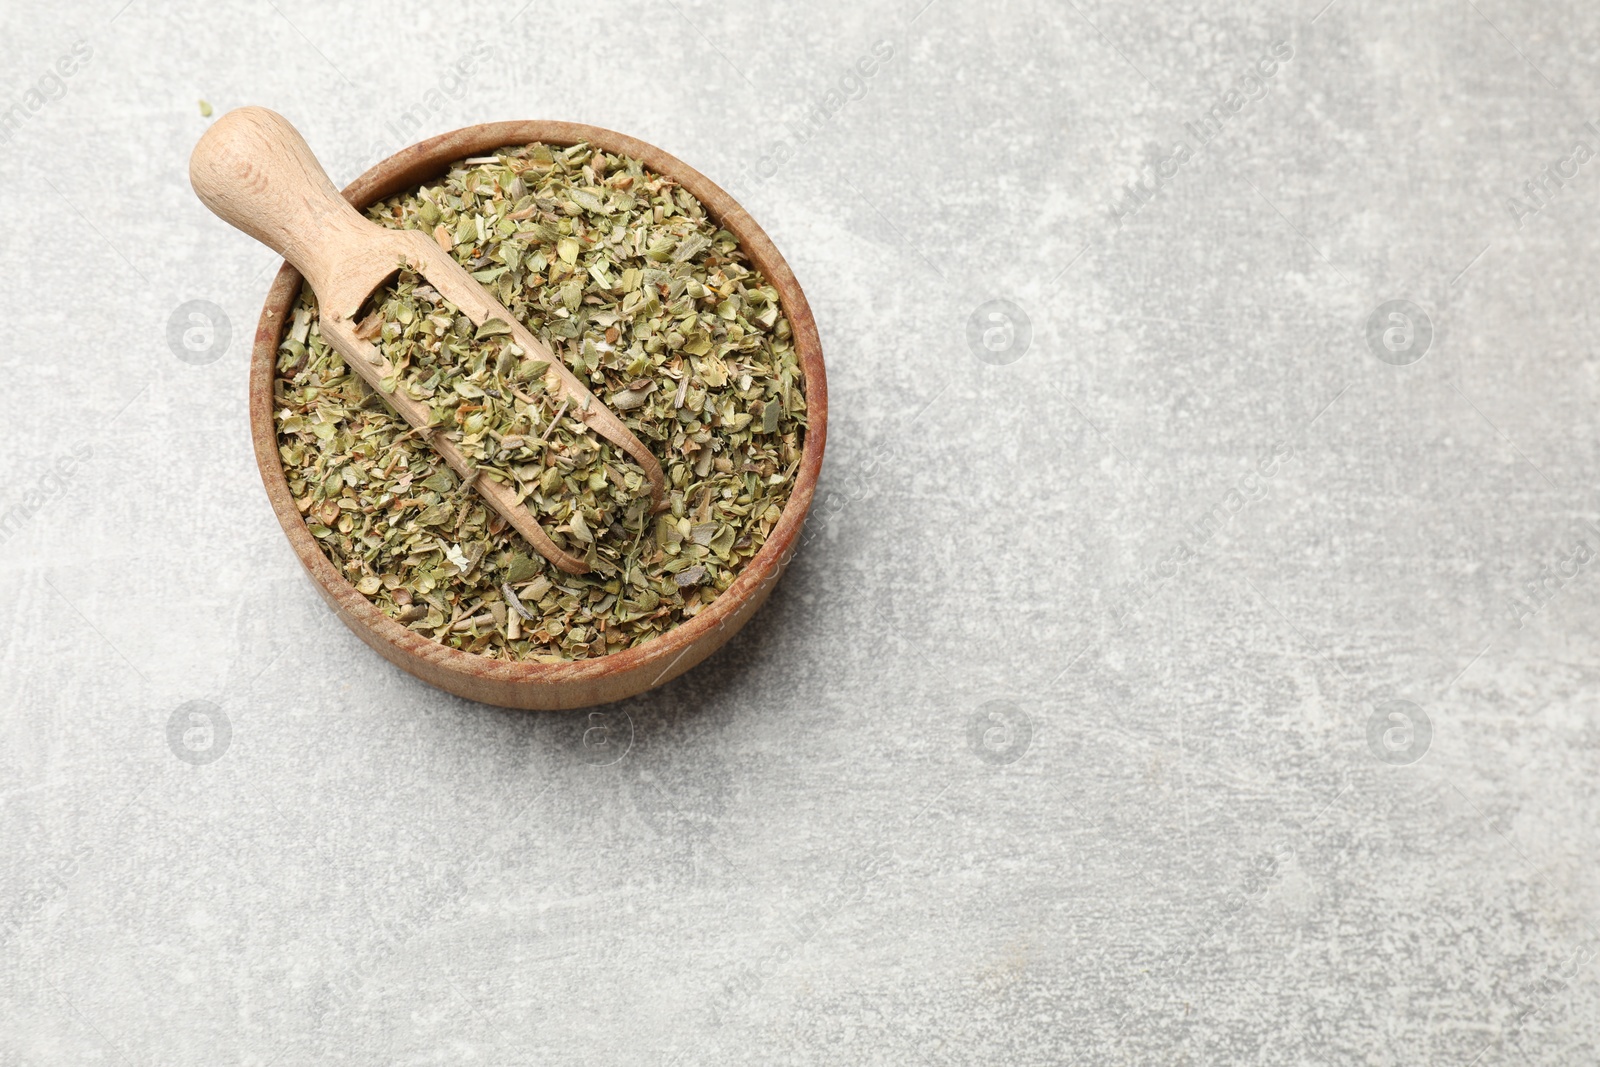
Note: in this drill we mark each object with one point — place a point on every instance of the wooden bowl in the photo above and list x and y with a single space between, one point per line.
580 683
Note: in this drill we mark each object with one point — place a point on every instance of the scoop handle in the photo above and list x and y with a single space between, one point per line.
254 170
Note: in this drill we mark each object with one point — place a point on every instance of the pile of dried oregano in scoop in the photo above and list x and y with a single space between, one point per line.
626 278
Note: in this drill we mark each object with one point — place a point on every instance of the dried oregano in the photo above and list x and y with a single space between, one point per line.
624 276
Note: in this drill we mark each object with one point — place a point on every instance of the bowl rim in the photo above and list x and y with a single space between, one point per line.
430 159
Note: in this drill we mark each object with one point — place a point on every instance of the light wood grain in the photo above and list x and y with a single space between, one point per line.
255 171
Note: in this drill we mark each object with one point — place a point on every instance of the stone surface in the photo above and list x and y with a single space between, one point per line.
1178 670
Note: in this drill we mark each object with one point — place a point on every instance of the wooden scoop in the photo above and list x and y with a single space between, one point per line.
255 171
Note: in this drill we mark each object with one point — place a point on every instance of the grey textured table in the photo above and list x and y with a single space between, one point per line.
1193 659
